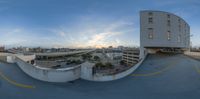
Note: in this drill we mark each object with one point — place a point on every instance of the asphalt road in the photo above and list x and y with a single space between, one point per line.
159 77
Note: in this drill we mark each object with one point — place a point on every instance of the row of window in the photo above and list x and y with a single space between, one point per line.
150 35
150 20
150 30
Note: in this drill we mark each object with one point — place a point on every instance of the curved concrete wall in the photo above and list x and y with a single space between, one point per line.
68 74
86 73
10 59
3 58
49 75
197 54
7 57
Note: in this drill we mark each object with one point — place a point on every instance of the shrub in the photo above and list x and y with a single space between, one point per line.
122 62
96 58
108 65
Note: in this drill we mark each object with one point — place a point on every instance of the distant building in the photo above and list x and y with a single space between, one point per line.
110 47
130 56
120 48
25 49
2 49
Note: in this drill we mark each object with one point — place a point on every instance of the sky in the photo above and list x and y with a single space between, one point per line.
85 23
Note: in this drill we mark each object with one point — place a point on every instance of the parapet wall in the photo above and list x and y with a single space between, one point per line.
39 73
3 58
83 71
197 54
49 75
7 57
86 73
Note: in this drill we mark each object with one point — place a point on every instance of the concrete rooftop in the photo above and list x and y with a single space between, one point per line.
159 77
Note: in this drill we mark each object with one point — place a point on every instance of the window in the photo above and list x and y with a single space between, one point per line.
168 16
168 20
179 38
168 23
150 33
179 26
168 35
185 27
150 20
150 14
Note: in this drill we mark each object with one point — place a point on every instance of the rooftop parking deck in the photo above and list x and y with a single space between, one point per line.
162 76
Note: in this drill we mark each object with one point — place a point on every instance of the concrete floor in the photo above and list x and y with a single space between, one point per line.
159 77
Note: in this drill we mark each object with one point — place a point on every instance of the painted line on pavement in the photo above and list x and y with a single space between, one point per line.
14 82
197 69
195 66
157 72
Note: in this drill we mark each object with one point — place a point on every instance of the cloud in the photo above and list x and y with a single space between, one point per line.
87 32
62 34
94 33
100 38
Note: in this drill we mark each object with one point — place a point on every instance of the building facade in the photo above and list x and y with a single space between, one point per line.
2 49
163 31
130 56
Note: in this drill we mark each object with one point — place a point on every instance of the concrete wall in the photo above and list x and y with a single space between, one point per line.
67 74
197 54
7 57
10 59
25 57
3 58
48 64
178 37
49 75
43 74
86 72
152 51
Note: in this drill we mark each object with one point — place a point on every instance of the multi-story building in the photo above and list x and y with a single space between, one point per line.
120 48
163 31
2 49
130 56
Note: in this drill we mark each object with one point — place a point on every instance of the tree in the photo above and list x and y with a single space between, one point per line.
122 62
89 56
86 56
78 61
96 58
99 65
108 65
75 62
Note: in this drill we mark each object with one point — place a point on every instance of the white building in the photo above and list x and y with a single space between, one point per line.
163 31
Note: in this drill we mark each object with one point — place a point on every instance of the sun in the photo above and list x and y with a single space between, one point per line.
99 46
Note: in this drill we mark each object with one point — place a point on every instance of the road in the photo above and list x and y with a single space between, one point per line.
161 76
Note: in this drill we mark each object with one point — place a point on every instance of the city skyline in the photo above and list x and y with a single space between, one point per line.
73 23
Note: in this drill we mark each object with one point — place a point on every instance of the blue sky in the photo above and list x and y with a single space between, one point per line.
83 23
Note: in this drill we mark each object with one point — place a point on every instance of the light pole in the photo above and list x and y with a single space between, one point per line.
190 45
